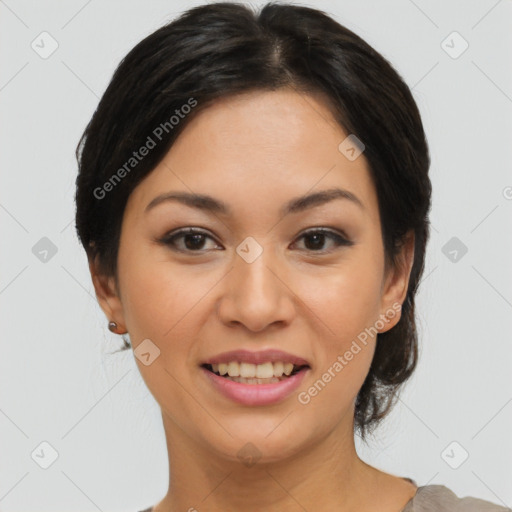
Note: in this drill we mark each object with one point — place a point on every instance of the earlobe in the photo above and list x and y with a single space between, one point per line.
397 283
108 298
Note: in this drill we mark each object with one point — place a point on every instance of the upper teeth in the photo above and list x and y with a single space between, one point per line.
249 370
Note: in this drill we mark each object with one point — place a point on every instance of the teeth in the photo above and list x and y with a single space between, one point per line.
247 370
278 368
288 367
233 369
241 380
266 370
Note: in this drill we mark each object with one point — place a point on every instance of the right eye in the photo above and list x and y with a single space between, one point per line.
186 240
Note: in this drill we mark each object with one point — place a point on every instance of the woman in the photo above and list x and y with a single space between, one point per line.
227 146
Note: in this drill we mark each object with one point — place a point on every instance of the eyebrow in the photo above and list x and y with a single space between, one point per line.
299 204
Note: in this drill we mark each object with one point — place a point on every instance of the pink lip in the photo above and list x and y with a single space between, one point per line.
264 356
256 394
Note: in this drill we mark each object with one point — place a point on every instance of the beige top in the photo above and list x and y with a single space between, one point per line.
438 498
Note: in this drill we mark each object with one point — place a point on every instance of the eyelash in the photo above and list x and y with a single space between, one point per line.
170 238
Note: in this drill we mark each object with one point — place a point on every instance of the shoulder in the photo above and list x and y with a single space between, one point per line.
438 498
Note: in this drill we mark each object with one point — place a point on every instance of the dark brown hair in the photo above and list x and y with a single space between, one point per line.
222 49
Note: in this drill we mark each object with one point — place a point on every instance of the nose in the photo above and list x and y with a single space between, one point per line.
256 295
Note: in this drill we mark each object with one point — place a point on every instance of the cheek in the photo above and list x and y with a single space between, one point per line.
150 291
346 304
345 298
156 299
165 302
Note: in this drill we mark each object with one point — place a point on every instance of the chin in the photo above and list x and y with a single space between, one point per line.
259 440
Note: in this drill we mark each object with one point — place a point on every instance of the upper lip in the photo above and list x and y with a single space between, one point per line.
263 356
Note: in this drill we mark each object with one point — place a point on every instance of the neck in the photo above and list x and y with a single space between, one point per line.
325 476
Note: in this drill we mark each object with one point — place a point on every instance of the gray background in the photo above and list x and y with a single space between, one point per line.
58 382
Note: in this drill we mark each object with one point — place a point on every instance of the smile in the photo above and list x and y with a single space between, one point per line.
255 378
249 373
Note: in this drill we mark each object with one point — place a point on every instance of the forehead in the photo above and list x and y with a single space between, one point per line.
269 145
265 125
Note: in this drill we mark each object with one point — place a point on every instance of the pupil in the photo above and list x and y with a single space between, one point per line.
194 245
321 235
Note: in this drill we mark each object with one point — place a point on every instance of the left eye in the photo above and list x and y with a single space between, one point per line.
318 237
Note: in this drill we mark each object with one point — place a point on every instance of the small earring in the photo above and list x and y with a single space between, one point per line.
112 327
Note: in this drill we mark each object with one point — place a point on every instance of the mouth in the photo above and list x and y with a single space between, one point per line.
250 373
260 378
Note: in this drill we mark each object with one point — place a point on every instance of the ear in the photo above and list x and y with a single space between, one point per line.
107 295
396 282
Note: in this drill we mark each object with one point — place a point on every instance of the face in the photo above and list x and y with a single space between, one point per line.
266 269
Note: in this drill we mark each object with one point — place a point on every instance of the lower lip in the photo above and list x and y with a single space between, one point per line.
256 394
